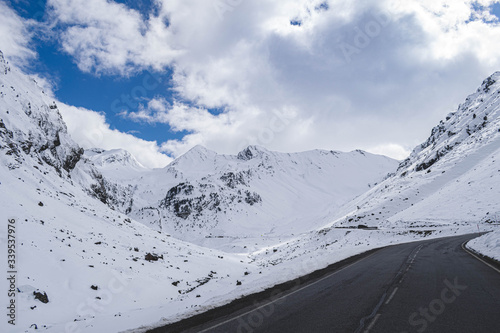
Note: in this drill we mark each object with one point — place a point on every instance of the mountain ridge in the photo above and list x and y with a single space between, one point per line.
33 127
203 193
447 178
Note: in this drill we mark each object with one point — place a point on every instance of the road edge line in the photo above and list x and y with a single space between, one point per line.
287 295
477 257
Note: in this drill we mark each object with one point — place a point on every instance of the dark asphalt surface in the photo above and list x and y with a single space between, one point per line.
428 286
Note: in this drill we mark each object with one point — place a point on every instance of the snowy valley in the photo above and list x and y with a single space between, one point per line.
115 246
203 196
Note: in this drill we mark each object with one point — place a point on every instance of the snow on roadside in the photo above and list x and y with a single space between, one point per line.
276 264
92 262
70 244
487 245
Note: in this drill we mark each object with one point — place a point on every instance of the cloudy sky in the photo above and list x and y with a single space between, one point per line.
157 77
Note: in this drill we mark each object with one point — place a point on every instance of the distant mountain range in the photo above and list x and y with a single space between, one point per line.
204 194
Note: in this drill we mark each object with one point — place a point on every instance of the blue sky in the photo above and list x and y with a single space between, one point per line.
104 92
225 74
495 9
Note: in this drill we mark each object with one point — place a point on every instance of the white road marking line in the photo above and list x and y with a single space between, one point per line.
409 263
393 292
285 296
392 296
372 323
481 260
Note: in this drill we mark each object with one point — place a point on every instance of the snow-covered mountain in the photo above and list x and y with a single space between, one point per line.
203 194
34 135
90 262
116 161
94 229
453 176
31 124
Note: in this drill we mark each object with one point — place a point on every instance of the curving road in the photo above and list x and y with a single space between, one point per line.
428 286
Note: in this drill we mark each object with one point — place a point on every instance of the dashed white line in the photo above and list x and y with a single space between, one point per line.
392 296
374 321
410 257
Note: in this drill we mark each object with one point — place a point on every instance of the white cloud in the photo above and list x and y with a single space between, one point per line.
105 36
227 131
361 74
392 150
15 36
90 130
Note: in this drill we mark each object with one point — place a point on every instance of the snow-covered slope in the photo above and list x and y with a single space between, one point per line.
202 194
84 266
117 162
33 134
94 264
487 245
31 125
452 177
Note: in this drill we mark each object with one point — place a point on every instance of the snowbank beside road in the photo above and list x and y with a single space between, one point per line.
487 245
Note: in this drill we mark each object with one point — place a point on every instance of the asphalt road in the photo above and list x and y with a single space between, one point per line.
429 286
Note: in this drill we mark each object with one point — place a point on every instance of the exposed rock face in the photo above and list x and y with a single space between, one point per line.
187 202
471 117
31 125
204 193
32 132
447 178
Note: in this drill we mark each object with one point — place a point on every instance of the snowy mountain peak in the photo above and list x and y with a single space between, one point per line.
361 152
31 127
113 158
198 152
251 152
480 112
256 192
491 80
448 178
194 163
